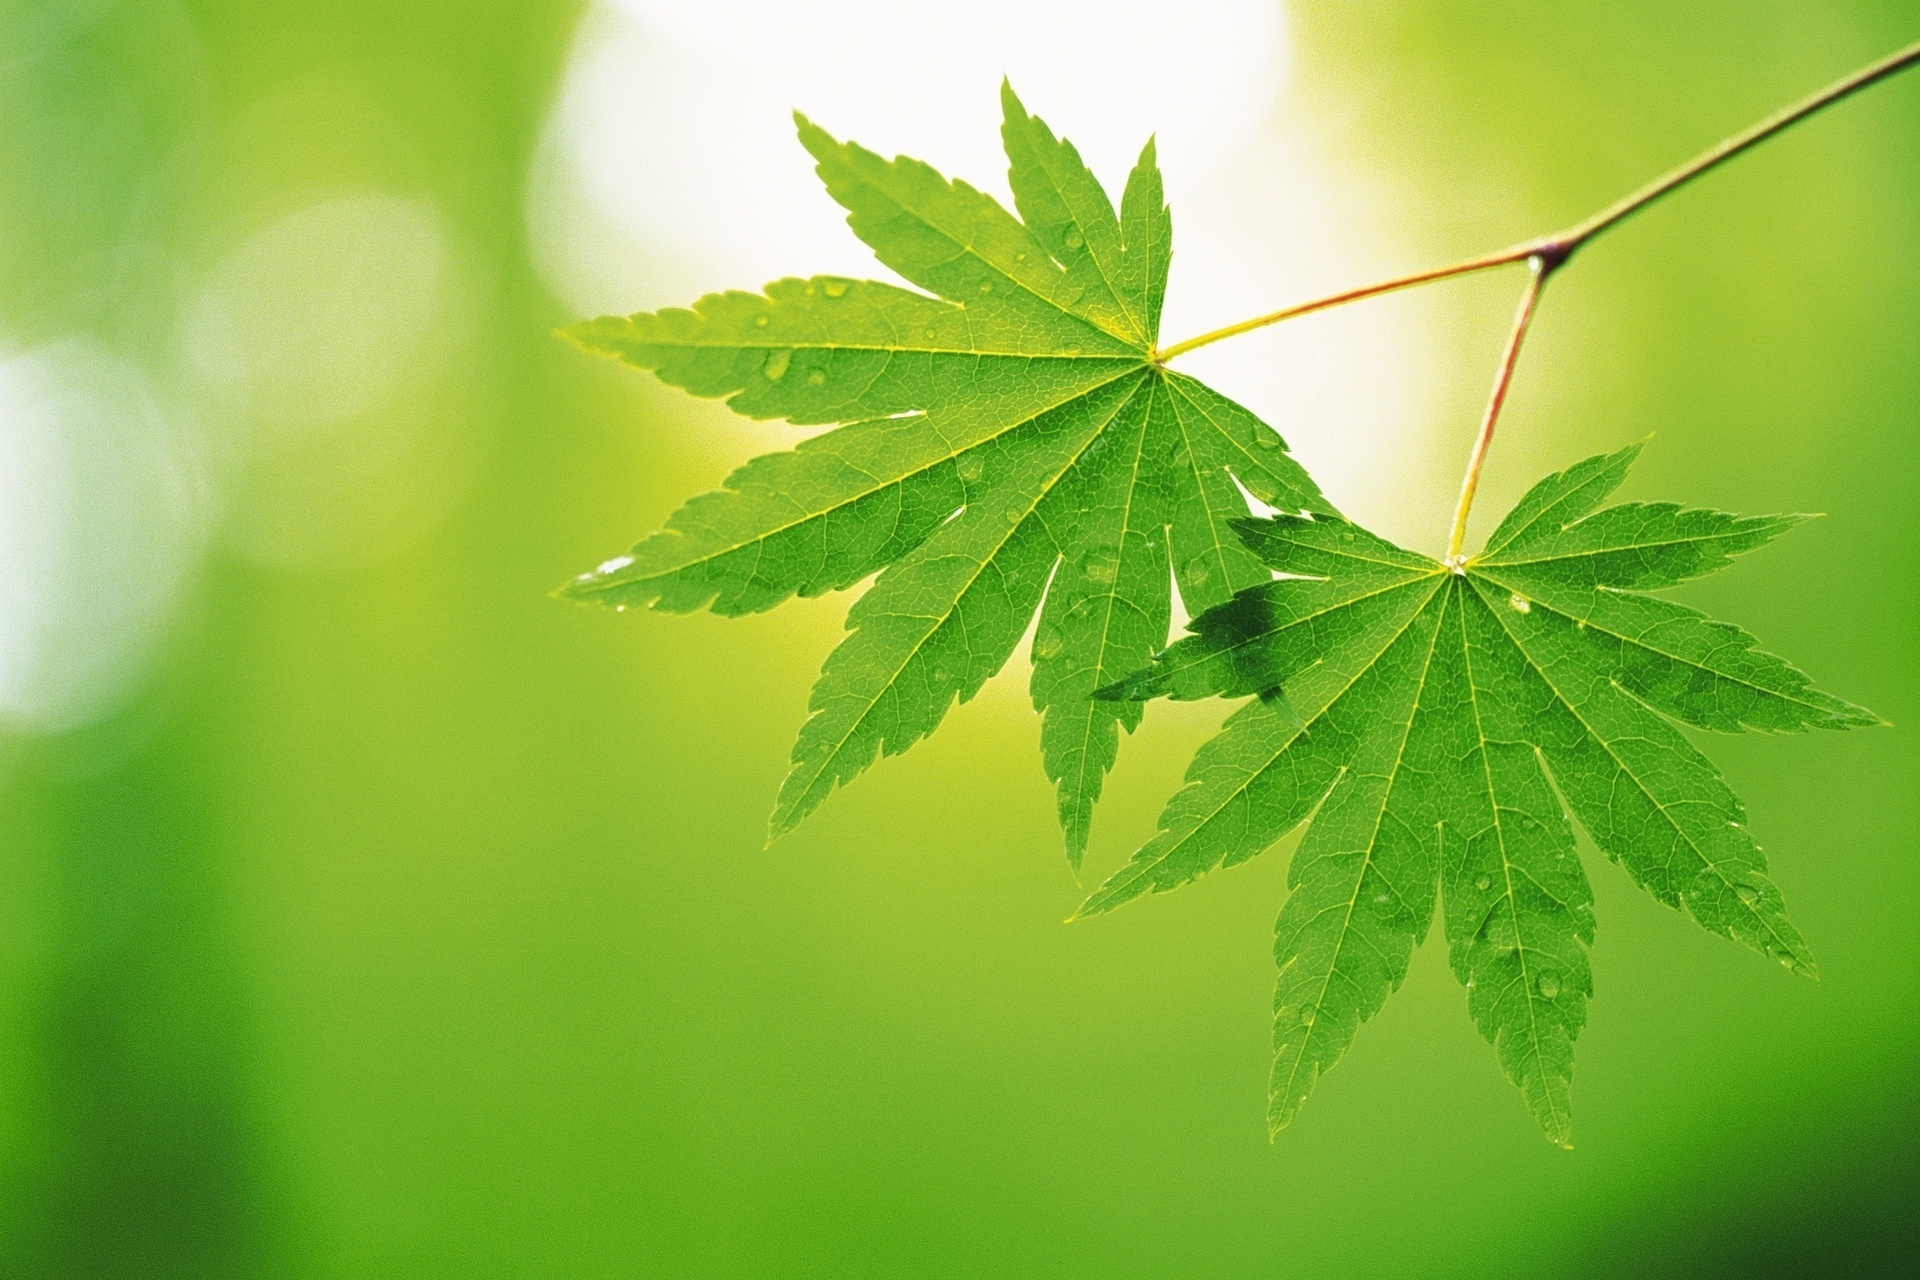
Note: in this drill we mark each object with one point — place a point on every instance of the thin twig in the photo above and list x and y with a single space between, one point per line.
1556 249
1718 155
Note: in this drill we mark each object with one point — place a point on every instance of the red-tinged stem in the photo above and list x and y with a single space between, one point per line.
1502 379
1519 253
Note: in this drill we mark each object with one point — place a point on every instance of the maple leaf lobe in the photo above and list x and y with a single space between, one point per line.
1004 443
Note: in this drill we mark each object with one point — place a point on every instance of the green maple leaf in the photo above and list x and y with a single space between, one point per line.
1428 714
1010 443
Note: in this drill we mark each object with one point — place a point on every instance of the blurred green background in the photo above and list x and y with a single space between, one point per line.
365 912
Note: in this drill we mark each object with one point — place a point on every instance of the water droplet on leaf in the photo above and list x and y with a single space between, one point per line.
971 466
1048 643
1520 603
1549 986
1747 893
1073 238
1266 439
776 367
817 378
835 288
760 322
1198 570
1483 883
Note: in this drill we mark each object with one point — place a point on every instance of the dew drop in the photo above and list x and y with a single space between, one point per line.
614 565
1747 893
1073 238
817 378
1520 603
986 286
1381 897
1549 986
1070 351
1021 256
1307 1014
776 367
929 333
971 466
1101 565
1048 643
1483 883
1266 439
759 322
1197 571
835 288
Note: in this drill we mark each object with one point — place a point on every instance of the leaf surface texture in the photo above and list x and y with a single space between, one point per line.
1004 444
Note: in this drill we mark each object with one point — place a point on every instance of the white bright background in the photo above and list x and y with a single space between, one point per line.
669 169
295 418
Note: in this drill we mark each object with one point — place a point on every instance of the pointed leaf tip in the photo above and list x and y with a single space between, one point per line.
816 140
583 333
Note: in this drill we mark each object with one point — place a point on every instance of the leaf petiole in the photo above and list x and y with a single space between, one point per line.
1518 253
1503 378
